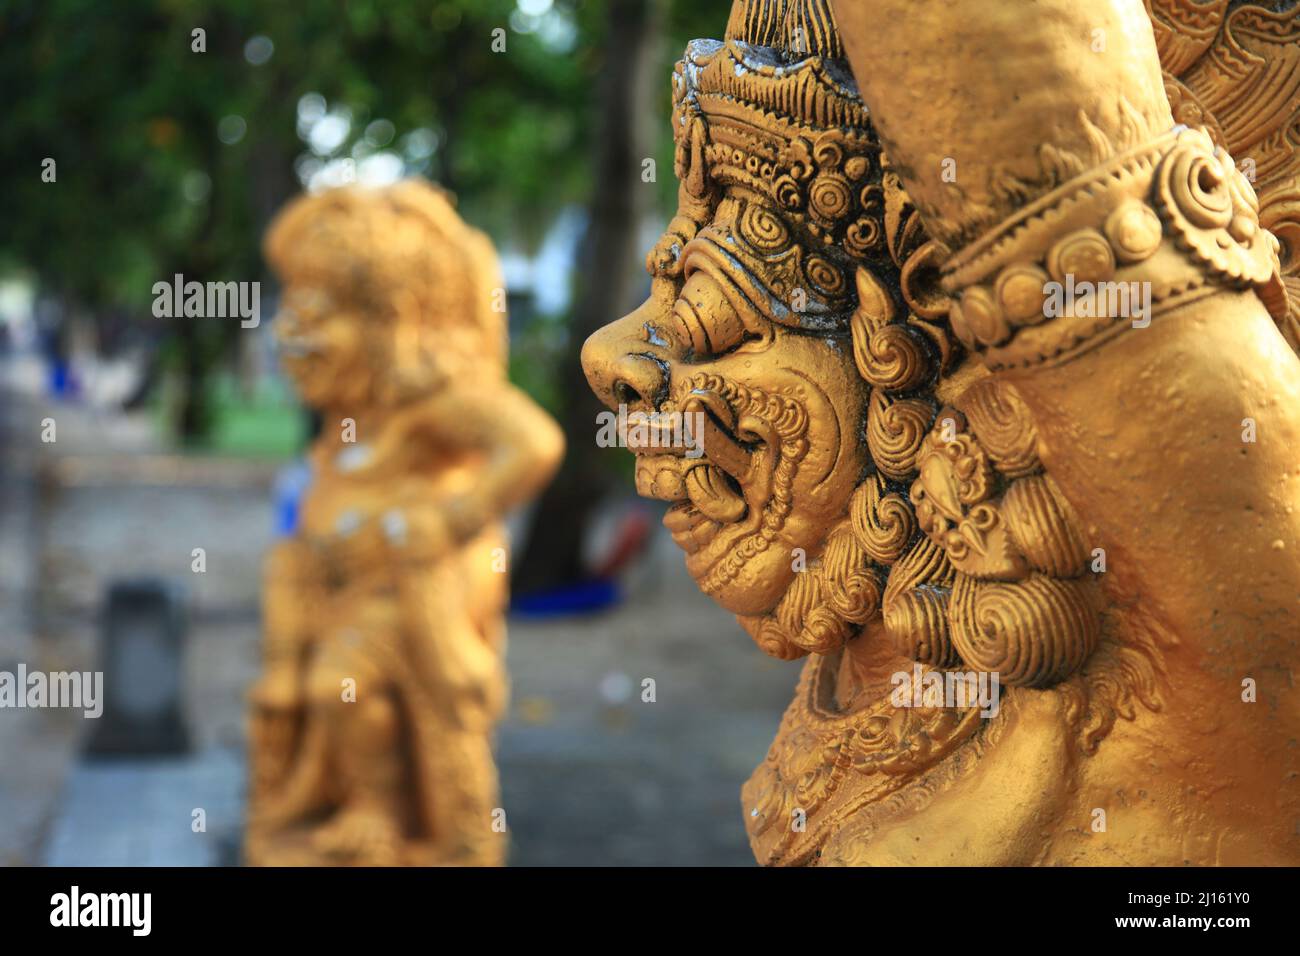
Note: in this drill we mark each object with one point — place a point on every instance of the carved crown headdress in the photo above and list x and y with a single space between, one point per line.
773 113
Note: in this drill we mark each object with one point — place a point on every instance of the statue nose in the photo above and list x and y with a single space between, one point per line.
623 368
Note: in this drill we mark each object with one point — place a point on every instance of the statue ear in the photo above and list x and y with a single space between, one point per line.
697 176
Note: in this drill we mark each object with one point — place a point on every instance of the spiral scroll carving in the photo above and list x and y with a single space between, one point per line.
916 606
1037 519
1032 633
883 521
896 428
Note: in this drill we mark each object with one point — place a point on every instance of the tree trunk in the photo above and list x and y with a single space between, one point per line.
608 280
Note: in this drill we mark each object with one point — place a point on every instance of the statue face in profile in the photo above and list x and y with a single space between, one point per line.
788 324
775 412
321 342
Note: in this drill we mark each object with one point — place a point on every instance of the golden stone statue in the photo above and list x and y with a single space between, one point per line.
384 632
999 419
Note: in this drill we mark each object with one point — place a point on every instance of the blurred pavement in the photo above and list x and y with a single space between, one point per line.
591 774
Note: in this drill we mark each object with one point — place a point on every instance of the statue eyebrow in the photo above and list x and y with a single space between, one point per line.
652 335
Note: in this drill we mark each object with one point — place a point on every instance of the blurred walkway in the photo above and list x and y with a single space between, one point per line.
101 502
591 774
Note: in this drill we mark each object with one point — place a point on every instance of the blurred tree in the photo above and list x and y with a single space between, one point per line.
639 40
607 282
171 160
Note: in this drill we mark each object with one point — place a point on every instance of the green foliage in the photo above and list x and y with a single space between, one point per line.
130 113
146 187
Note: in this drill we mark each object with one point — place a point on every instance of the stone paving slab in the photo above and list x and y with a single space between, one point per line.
140 813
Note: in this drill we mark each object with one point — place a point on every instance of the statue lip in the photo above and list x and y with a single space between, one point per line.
692 455
689 527
705 424
702 495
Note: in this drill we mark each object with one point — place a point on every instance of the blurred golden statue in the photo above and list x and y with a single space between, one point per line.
384 632
996 425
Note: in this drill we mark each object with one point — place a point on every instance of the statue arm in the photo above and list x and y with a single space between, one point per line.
973 101
521 448
1036 139
521 444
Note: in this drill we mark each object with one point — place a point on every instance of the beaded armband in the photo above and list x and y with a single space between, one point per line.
1151 229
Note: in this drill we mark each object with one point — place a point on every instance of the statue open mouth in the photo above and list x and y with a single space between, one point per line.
709 471
727 504
708 491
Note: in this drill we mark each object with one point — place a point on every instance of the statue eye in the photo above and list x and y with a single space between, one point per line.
706 317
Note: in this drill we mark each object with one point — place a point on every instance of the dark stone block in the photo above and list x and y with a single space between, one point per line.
142 655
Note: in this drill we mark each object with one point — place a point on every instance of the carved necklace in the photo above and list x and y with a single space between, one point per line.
826 764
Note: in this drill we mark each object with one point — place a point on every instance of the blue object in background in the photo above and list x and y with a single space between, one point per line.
62 384
290 485
584 598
